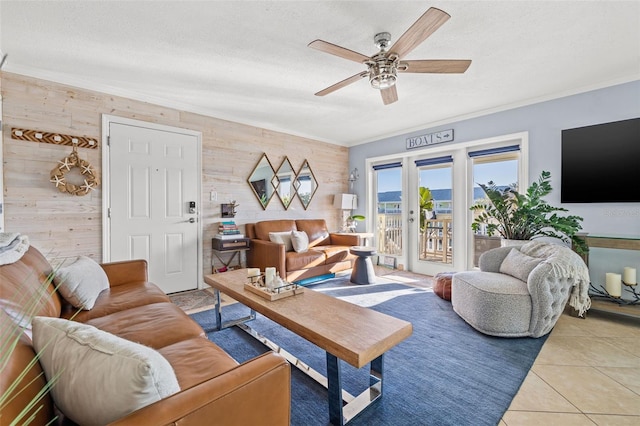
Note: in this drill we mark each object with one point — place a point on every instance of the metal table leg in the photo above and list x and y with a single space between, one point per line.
339 414
220 325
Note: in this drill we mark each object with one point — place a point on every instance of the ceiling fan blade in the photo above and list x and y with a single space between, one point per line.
445 66
426 25
336 50
343 83
389 95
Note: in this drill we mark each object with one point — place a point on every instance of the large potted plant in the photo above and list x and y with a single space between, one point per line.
516 216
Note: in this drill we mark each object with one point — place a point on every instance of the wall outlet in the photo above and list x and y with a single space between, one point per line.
214 196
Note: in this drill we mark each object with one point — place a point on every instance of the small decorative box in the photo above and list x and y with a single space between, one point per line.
230 244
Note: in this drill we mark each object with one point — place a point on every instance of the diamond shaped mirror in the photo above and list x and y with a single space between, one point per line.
262 181
285 187
305 184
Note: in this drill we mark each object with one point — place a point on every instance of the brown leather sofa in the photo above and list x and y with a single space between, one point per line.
328 252
214 387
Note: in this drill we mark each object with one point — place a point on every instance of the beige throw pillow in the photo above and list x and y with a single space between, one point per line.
518 265
282 238
102 377
81 282
300 241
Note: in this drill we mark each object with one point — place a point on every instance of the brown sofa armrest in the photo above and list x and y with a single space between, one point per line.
263 254
257 392
126 271
344 239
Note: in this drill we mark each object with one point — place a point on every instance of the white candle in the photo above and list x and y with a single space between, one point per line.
629 276
613 284
253 272
269 277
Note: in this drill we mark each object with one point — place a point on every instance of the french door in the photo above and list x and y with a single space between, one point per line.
421 202
431 232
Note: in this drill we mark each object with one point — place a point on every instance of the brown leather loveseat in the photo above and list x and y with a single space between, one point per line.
326 253
213 387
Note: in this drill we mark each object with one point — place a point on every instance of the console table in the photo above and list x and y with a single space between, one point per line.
613 242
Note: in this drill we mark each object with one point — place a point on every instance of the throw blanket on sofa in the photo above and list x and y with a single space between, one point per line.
566 264
12 247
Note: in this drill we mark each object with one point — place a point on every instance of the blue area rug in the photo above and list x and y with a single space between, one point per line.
446 373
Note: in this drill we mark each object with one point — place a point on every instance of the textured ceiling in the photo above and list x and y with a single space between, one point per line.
249 62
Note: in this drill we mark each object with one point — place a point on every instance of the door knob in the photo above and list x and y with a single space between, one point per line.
411 219
192 220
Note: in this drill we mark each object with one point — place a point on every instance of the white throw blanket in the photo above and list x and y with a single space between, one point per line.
566 264
12 247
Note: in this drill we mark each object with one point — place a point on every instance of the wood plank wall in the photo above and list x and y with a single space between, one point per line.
62 226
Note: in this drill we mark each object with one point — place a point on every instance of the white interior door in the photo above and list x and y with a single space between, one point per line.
154 175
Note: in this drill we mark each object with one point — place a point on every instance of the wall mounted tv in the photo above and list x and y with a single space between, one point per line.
601 163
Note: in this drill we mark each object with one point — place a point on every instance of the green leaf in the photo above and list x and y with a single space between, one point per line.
518 216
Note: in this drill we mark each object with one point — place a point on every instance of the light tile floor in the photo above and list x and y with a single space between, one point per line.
587 373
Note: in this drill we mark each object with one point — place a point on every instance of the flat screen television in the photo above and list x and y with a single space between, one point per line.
601 163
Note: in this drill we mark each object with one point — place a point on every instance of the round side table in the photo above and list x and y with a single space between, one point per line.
363 272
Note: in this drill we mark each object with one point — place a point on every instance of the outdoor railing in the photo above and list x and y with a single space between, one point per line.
389 233
435 242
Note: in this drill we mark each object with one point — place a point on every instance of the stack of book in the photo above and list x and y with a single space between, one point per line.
228 230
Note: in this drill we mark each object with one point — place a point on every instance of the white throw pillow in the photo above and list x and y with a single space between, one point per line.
282 238
518 265
300 241
81 282
102 377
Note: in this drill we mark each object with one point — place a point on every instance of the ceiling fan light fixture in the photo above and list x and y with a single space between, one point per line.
383 71
382 80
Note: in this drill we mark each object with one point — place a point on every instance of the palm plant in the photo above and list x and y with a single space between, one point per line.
517 216
426 203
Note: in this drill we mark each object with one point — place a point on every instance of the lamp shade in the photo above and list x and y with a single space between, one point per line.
345 201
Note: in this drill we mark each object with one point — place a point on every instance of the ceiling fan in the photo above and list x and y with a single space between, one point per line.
382 68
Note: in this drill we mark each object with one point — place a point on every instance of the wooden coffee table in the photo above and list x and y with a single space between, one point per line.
347 332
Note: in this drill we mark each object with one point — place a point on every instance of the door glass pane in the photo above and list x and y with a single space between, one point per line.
389 211
435 196
502 170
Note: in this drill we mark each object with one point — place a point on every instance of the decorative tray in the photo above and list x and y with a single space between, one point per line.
276 293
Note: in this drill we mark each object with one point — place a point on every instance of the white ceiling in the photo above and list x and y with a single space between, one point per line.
248 61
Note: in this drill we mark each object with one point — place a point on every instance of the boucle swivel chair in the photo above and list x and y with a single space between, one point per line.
521 291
